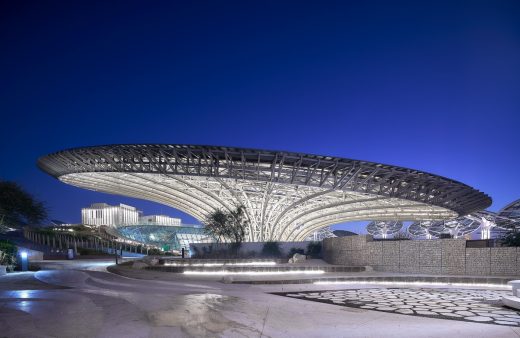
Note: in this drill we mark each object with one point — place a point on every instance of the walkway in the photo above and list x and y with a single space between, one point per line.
93 303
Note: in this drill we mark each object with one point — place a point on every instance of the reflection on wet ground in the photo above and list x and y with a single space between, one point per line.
93 303
198 315
24 281
87 303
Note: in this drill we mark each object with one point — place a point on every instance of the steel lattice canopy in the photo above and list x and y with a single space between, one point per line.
287 195
319 235
384 228
499 220
456 227
510 212
416 229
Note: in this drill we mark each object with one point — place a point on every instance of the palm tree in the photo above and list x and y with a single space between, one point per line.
239 224
216 225
228 226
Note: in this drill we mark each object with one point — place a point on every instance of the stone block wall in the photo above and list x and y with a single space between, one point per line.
478 261
409 258
442 256
430 257
390 256
504 261
374 253
453 261
349 250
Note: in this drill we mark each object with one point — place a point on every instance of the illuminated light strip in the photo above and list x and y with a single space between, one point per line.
415 283
224 264
253 273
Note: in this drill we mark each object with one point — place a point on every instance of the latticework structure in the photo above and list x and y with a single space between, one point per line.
287 195
320 234
419 229
509 216
456 227
384 228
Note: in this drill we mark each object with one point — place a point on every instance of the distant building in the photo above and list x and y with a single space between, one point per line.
119 215
109 215
125 221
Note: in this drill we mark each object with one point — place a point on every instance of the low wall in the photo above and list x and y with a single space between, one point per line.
437 256
247 247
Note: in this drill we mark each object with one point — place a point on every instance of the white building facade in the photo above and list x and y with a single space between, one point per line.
102 214
109 215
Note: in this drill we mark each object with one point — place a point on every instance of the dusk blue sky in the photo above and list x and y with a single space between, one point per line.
430 86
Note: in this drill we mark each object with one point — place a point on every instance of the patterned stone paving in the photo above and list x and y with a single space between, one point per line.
481 306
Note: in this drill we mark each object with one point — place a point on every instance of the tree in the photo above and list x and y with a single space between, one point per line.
511 238
18 207
271 249
216 225
227 226
239 223
314 249
8 252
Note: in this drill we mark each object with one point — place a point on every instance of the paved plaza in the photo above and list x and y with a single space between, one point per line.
458 304
84 300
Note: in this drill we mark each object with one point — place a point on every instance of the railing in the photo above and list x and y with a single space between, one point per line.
101 242
484 243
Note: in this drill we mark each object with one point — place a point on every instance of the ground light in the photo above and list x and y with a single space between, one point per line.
253 273
261 263
25 261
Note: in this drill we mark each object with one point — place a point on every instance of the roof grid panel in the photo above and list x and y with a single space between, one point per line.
270 166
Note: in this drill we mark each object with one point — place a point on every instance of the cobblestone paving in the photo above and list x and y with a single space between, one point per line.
481 306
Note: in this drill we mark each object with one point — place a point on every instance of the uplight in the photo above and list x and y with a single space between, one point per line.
253 273
261 263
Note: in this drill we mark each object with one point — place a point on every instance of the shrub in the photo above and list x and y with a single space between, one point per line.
314 249
271 249
512 238
8 252
234 249
195 253
154 252
294 251
249 254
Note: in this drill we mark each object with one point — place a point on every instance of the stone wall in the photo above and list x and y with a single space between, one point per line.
349 250
247 247
478 261
440 256
430 257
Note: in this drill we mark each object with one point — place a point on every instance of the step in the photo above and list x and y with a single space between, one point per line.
394 280
264 269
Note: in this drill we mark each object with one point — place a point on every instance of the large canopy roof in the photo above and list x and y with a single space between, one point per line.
511 212
287 195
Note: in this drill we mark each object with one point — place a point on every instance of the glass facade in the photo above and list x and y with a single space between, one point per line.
173 237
